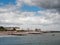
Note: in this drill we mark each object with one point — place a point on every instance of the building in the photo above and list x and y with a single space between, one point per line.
38 30
12 28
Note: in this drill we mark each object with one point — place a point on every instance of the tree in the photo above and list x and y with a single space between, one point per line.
2 28
38 30
14 29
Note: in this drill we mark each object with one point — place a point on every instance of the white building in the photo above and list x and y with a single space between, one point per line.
12 28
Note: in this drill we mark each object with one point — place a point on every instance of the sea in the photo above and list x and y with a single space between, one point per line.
31 39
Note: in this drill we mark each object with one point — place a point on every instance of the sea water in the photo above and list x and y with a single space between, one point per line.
31 39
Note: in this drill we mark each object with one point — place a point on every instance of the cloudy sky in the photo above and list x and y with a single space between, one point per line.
44 14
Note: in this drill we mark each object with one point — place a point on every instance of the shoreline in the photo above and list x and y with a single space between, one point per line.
21 33
17 33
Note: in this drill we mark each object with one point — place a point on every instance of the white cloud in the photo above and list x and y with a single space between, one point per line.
54 4
23 17
46 19
28 2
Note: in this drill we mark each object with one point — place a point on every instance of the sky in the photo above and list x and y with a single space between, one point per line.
41 14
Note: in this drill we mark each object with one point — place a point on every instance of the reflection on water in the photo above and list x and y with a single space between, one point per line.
31 39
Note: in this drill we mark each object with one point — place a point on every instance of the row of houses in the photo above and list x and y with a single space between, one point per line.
12 28
18 29
9 28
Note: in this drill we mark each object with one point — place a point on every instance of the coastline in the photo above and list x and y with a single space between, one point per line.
11 32
21 33
17 33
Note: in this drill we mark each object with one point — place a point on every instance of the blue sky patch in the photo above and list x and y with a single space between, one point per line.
30 8
6 2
